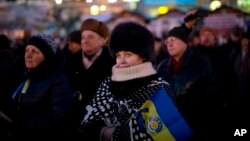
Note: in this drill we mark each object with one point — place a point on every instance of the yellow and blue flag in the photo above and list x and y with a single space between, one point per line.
162 120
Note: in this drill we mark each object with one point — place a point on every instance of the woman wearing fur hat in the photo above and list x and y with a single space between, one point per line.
124 107
42 104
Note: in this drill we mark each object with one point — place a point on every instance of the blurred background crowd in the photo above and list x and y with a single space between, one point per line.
21 18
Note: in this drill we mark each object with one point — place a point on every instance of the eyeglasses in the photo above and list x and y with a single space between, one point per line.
170 40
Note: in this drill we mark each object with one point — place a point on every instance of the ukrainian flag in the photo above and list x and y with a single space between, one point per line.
162 119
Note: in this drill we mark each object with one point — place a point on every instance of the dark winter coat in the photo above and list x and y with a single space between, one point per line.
43 111
88 80
113 100
195 91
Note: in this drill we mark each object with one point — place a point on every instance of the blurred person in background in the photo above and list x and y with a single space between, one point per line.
6 60
160 51
73 44
242 69
234 43
194 39
242 65
222 64
73 53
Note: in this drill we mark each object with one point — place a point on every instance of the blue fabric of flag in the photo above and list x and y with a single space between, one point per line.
162 118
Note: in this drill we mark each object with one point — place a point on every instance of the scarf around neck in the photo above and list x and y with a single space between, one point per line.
133 72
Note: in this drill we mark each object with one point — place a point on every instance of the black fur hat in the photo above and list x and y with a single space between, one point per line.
130 36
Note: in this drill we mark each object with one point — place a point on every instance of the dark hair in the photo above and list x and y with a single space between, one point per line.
75 36
5 42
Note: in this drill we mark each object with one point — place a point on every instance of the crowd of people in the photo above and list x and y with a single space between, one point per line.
125 85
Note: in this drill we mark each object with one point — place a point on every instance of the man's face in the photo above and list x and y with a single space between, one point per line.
207 39
91 42
175 47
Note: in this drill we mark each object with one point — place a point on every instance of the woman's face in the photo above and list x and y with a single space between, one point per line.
33 57
127 59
